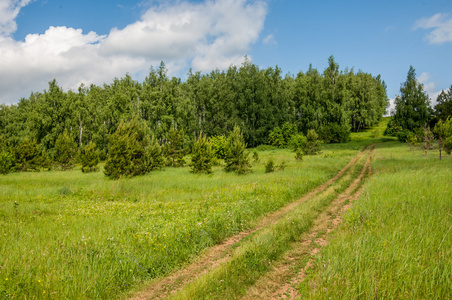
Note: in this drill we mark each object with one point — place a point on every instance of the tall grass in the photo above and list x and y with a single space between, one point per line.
255 258
74 235
396 241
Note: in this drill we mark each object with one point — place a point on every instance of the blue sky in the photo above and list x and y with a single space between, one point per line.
94 41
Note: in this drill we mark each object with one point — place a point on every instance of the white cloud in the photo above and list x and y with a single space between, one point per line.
429 87
204 36
9 9
269 40
442 28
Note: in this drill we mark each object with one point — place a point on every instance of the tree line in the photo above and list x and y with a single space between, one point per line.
261 102
416 122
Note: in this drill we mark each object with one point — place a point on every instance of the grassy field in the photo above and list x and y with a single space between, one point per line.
74 235
82 236
396 241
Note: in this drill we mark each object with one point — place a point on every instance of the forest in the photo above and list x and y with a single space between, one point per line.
260 101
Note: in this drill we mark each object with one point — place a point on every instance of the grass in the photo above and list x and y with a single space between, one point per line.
74 235
255 258
396 241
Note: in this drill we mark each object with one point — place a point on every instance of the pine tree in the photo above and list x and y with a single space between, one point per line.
236 159
174 147
129 153
65 150
154 155
202 155
89 158
28 156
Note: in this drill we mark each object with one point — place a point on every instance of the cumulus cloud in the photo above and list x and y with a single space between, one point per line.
9 9
429 87
441 25
204 36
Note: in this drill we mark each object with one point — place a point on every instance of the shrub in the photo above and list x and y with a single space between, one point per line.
276 138
218 143
201 161
153 158
298 141
129 152
255 156
65 149
312 143
6 162
298 154
89 157
270 166
335 133
27 156
236 157
174 147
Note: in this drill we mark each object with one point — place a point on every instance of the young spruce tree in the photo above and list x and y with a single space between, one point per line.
132 152
89 158
202 155
236 158
65 149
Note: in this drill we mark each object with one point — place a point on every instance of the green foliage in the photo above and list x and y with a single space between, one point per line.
153 158
28 156
65 150
443 130
412 107
218 143
270 166
89 158
6 162
128 155
313 144
298 154
236 158
276 138
174 147
412 140
255 156
443 108
298 141
202 155
335 133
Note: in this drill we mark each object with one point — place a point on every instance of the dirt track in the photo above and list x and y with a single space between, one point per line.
281 280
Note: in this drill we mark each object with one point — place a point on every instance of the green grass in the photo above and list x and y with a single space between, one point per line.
255 258
74 235
396 241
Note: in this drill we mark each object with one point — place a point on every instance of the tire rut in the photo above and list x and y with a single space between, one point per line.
282 281
217 255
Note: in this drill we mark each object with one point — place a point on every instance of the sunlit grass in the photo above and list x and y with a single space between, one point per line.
74 235
396 241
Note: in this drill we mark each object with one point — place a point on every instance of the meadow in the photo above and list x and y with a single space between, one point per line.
396 240
75 235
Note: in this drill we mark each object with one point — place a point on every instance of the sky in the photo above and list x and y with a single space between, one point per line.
92 42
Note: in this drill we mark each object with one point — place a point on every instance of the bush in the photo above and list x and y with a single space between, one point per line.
298 154
236 158
276 138
218 143
65 149
27 156
174 147
312 143
201 161
255 156
270 166
89 157
153 158
6 162
335 133
129 151
298 141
